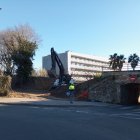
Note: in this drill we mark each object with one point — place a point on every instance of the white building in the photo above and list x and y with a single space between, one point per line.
80 66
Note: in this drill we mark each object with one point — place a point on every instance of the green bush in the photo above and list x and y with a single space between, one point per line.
5 85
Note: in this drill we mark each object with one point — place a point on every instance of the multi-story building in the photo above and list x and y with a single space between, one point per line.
81 66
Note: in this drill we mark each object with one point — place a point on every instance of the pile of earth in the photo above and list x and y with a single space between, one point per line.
82 89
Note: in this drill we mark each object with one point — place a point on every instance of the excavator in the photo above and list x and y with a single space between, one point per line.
62 78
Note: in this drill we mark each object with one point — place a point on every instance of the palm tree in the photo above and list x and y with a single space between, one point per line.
113 61
121 60
133 60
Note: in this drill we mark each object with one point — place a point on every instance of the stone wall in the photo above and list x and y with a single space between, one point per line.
109 89
105 90
35 83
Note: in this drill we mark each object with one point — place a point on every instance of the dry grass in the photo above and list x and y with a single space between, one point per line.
27 94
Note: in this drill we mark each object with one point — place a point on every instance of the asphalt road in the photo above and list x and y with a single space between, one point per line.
107 122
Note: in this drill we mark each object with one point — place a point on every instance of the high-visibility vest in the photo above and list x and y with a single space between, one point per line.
71 87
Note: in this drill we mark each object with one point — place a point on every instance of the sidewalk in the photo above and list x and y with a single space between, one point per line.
47 102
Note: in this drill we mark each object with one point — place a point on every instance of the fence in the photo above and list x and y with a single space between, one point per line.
126 67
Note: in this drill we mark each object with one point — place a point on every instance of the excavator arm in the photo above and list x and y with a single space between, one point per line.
62 76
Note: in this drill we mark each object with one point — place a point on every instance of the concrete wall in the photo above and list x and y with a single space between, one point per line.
47 62
121 73
64 59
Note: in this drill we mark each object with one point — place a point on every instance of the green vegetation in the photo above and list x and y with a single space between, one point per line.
133 60
116 61
22 58
17 49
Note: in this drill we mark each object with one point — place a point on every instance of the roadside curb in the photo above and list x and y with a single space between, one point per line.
40 105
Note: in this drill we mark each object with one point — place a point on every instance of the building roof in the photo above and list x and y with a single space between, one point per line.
89 56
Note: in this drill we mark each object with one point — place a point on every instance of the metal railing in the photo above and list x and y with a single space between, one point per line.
126 67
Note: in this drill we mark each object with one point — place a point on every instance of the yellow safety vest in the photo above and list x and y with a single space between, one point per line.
71 87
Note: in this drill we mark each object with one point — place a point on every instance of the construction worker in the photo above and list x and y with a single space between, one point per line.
71 91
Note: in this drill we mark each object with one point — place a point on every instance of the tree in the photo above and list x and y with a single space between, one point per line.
6 49
120 61
113 61
116 61
17 48
133 60
22 58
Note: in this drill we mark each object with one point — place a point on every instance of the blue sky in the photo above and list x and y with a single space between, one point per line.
96 27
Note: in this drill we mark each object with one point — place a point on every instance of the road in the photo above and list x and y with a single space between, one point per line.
104 122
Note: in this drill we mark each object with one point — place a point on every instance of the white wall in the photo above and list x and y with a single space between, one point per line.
47 62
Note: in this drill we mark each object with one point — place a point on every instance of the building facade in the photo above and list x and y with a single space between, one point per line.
81 66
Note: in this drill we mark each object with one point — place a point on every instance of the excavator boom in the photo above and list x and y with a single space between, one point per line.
63 78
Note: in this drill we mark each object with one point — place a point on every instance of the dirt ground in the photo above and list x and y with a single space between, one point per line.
42 94
28 94
59 92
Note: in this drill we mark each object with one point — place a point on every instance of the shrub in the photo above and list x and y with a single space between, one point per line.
5 85
40 73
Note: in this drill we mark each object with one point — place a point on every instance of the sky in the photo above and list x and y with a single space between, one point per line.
94 27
